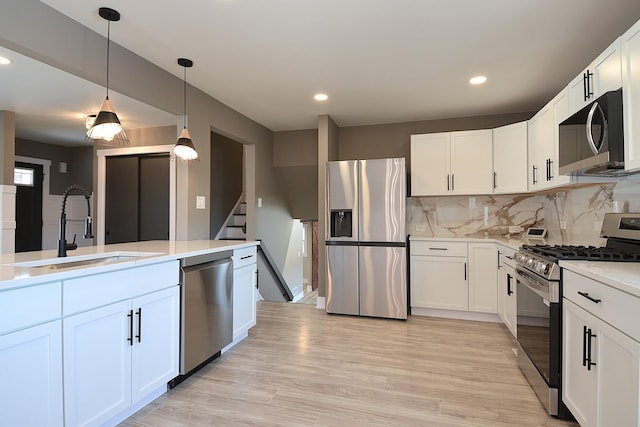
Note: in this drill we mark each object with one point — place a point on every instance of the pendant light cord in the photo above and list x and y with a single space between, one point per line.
185 97
108 43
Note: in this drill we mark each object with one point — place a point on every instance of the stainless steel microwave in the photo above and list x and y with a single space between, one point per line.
591 141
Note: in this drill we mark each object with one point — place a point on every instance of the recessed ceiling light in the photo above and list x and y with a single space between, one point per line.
477 80
4 61
321 97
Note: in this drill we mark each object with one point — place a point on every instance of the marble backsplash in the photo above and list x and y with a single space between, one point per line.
572 216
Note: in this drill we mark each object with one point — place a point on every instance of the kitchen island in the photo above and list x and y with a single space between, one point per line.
91 338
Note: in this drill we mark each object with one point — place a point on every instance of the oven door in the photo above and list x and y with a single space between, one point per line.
538 327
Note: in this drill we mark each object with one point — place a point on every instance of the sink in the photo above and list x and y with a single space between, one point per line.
83 260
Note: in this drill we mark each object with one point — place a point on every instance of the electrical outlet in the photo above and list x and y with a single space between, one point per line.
200 202
421 227
563 225
597 225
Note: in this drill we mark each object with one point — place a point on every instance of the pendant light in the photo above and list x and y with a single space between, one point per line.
106 126
184 147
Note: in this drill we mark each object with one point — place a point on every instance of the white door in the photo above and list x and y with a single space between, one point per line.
244 303
439 282
430 173
483 278
155 358
510 159
472 162
31 364
579 384
97 364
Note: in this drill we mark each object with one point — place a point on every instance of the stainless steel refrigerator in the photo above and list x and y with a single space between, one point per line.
366 243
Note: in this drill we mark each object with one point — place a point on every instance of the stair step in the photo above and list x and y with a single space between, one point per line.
239 219
234 232
242 208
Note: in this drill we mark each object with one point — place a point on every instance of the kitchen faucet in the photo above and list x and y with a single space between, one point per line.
63 246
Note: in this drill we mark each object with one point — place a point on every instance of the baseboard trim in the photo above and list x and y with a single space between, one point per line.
321 303
455 314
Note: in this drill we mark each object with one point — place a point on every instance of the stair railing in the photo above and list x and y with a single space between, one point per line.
275 273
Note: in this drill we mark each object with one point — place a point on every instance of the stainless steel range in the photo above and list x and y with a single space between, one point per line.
539 293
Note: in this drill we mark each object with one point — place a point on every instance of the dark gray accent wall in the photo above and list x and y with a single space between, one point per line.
226 179
295 161
78 159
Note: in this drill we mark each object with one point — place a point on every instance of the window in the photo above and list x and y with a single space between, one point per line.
23 176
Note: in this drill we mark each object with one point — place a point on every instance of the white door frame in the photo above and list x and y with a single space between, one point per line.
46 182
101 189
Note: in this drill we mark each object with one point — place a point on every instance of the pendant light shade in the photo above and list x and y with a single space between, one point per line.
184 146
107 126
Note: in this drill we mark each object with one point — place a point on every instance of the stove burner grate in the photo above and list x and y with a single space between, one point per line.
589 253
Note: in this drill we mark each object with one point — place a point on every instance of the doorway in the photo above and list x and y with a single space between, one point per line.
137 198
28 179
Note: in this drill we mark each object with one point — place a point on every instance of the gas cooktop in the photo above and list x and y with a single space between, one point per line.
588 253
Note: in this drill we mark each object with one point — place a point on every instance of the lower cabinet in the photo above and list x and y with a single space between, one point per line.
483 277
245 278
439 282
507 299
601 364
31 361
117 354
457 276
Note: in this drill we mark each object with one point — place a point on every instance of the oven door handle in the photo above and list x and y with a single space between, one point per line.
522 279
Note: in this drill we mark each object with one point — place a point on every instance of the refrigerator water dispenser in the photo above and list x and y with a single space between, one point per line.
341 223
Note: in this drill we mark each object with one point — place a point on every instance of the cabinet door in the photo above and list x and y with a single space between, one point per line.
510 159
631 94
483 278
535 152
244 302
97 364
31 392
579 384
155 357
502 288
430 164
472 162
439 282
510 318
618 360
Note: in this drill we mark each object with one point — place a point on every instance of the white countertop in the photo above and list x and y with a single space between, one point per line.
624 276
149 252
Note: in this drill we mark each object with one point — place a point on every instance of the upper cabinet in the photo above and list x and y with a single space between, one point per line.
452 163
543 171
631 96
510 159
602 75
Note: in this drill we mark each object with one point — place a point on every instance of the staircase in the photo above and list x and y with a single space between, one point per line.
235 226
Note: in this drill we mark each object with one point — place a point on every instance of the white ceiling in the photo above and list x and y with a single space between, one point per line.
50 104
380 61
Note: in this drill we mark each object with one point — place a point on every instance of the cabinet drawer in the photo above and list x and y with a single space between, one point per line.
244 256
615 307
439 248
23 307
85 293
507 256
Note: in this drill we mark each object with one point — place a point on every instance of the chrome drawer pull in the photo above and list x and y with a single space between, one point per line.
590 298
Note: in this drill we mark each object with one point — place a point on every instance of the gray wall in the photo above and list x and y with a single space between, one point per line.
295 160
78 159
71 47
226 178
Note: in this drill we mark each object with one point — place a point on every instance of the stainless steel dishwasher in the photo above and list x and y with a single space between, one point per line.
206 316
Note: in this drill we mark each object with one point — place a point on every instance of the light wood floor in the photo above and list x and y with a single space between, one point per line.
303 367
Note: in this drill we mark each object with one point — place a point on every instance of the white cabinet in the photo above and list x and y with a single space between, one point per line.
31 361
452 163
483 277
601 353
631 96
507 299
244 291
602 75
543 146
118 354
439 275
510 159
